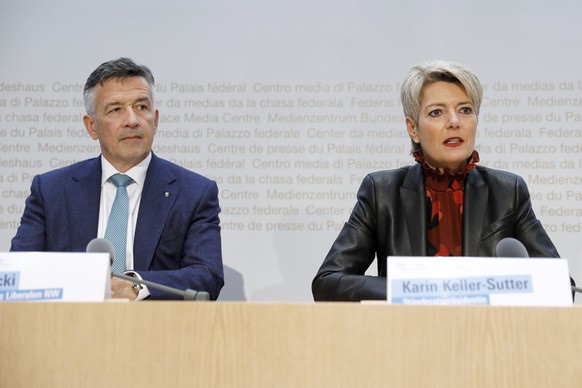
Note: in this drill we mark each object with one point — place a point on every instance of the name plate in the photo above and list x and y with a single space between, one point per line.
54 276
478 281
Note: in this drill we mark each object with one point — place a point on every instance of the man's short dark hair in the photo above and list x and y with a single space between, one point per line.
121 69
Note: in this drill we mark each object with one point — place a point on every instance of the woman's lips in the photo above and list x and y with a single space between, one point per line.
453 142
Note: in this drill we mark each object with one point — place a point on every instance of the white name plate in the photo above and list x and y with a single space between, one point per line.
479 281
54 276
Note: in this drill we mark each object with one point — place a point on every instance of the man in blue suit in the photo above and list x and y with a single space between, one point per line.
173 225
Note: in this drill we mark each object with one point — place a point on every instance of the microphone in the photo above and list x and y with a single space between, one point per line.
100 245
510 247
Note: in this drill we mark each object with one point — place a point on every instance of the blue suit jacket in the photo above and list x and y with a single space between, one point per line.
177 237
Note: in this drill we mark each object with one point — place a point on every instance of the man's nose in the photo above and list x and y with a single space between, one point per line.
130 119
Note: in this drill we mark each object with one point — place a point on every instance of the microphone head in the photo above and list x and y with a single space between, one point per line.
510 247
100 245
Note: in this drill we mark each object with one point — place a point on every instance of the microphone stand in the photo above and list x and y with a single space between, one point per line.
187 295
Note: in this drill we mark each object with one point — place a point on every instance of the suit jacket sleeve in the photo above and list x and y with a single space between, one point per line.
342 274
31 234
529 229
188 254
508 212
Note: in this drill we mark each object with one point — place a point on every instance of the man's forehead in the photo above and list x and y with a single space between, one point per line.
124 88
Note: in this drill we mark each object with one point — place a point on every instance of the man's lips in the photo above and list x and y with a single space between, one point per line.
131 137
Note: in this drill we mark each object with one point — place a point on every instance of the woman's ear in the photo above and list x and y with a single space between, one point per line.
411 128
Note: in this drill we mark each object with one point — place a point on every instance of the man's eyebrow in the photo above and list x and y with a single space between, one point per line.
143 99
112 103
136 101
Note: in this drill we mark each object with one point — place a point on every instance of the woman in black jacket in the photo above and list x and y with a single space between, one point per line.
444 205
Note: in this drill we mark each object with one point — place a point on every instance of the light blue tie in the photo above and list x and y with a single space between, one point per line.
116 230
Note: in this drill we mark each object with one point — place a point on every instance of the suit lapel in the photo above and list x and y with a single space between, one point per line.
412 194
82 196
477 194
158 196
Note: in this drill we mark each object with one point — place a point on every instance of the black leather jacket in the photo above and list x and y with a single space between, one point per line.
389 219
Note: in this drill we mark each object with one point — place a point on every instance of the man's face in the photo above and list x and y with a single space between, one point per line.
124 122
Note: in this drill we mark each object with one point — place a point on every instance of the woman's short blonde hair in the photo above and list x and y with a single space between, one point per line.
422 75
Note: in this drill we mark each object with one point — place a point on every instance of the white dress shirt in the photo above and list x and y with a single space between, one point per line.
134 191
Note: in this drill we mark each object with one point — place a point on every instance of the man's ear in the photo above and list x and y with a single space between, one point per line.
90 126
157 118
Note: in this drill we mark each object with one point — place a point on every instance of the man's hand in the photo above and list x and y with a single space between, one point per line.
122 289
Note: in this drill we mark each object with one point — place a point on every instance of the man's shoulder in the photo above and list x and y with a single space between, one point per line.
73 169
179 171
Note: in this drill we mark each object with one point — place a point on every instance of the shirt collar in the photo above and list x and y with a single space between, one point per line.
137 172
441 179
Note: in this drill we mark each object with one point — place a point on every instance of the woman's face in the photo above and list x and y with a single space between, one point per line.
446 125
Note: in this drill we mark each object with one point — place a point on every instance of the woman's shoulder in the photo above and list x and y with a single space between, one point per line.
410 175
394 173
499 178
495 173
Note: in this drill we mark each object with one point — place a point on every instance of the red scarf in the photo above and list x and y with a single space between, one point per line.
444 201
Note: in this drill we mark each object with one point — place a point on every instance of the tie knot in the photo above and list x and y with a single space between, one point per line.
121 180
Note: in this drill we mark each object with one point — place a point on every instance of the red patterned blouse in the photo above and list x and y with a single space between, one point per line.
444 202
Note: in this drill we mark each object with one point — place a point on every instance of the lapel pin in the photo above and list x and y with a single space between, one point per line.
167 194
